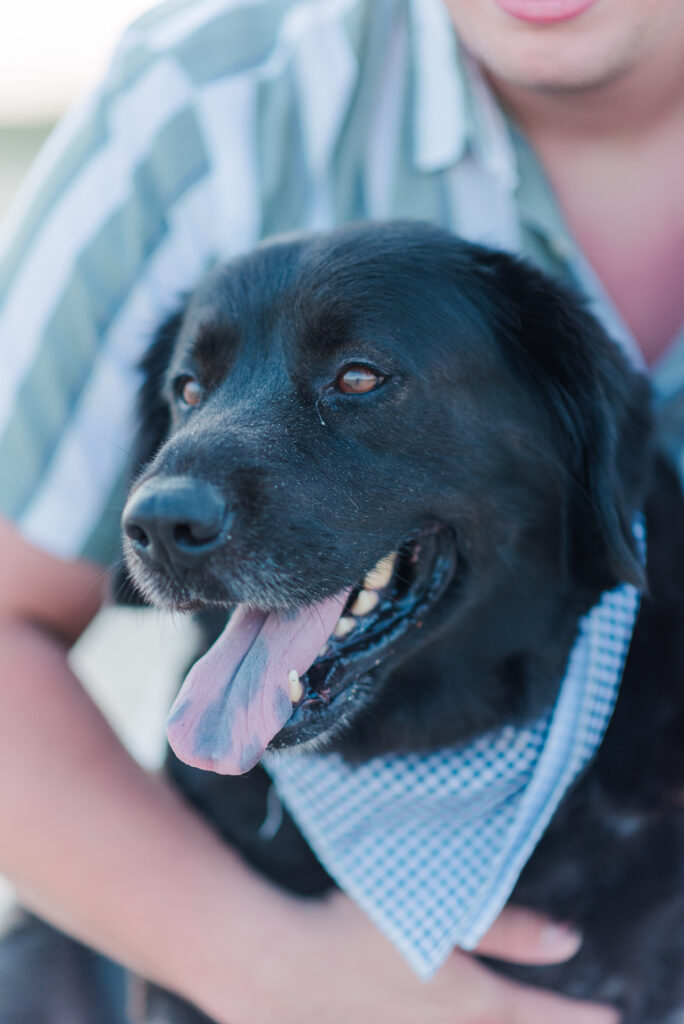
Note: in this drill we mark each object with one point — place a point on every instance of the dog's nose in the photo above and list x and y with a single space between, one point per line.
175 520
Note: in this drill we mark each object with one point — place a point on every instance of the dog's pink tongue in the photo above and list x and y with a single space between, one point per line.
237 697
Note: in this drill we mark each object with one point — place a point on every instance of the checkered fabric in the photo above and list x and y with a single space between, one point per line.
431 846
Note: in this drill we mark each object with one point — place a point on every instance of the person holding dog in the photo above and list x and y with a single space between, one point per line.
550 127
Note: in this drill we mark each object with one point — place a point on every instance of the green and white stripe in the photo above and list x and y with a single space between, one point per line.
219 123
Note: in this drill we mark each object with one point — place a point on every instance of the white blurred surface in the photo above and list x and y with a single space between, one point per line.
130 661
53 51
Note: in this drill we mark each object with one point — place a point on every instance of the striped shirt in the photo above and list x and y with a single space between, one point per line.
221 122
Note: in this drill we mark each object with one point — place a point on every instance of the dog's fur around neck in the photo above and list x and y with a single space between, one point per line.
506 417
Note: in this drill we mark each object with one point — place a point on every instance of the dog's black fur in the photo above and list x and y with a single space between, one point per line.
507 417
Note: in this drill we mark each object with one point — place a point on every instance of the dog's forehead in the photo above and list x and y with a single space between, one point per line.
309 296
242 296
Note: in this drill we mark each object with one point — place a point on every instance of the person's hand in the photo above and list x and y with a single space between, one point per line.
333 967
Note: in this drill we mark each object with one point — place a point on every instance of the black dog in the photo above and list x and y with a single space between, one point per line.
389 394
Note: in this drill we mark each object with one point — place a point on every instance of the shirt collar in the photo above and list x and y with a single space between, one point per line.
440 108
454 110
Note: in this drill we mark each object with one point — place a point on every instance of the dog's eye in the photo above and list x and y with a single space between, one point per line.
358 379
189 391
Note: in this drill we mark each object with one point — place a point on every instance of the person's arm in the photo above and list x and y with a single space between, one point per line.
91 841
109 853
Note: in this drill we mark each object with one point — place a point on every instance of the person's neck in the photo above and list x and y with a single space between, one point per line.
636 104
613 155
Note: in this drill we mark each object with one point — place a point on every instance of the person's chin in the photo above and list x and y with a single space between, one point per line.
582 51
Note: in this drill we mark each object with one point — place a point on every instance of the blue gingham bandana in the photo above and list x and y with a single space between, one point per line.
431 845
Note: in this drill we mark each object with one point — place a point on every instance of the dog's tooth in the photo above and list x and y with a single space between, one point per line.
344 627
381 574
296 688
365 602
323 651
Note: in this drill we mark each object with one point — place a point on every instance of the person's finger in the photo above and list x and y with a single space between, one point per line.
530 1006
523 937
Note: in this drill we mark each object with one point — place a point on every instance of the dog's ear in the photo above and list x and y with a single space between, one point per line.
601 408
153 427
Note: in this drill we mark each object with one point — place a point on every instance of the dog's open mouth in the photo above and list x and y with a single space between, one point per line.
276 679
392 599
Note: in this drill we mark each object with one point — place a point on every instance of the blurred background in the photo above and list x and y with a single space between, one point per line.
52 52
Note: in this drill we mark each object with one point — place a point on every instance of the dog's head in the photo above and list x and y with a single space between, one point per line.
377 441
